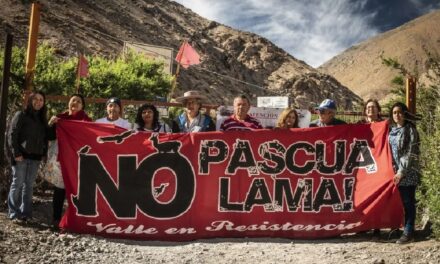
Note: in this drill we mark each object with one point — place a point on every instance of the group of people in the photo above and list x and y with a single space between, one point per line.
30 132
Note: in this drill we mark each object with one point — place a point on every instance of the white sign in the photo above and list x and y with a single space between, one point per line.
273 101
163 111
267 116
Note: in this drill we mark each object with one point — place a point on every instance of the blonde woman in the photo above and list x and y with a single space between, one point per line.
287 119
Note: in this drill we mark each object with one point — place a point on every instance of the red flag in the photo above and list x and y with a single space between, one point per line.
187 56
83 66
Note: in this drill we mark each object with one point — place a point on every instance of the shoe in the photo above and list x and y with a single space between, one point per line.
405 239
376 235
55 224
19 221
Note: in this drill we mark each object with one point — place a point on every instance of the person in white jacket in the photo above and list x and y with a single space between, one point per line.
114 112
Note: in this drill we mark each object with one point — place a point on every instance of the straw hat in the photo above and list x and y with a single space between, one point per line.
190 95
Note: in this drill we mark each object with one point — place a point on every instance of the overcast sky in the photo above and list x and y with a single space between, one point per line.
312 30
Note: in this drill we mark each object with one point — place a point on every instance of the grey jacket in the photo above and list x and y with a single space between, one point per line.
406 158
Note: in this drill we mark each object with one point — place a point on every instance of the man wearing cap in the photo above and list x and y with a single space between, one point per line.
114 111
240 120
327 112
191 120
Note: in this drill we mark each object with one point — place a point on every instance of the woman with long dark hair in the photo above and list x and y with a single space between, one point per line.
75 111
147 119
404 142
28 140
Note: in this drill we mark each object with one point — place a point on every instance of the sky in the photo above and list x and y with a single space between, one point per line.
312 30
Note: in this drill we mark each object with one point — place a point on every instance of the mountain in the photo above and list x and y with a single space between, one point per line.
100 27
360 67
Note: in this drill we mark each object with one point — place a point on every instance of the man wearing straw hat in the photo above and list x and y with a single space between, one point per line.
191 120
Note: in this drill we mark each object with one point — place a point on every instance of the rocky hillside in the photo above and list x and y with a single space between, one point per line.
100 27
360 68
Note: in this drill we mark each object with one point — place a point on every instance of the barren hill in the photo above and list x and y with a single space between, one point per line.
100 27
360 67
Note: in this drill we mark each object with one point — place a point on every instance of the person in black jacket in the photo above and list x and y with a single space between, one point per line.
327 115
28 140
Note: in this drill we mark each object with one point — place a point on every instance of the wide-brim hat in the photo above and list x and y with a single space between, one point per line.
191 95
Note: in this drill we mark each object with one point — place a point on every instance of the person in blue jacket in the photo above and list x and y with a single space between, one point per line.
192 120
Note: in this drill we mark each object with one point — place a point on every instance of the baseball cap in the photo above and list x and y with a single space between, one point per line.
114 100
327 104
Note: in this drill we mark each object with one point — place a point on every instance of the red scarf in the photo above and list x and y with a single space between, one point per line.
80 115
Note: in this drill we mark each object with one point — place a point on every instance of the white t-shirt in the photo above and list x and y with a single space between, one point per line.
118 122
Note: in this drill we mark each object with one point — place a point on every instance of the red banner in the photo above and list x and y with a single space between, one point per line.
299 183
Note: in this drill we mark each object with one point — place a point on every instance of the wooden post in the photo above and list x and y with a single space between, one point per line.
411 94
4 94
32 49
78 77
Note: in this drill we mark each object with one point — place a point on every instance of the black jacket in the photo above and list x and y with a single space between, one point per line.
335 121
28 136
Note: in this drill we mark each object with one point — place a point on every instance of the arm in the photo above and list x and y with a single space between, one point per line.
51 128
222 126
16 126
410 156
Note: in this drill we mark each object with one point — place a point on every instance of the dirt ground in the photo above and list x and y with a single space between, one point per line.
36 242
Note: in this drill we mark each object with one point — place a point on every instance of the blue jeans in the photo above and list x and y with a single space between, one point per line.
408 197
20 194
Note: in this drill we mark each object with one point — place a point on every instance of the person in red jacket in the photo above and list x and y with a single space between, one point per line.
75 111
371 112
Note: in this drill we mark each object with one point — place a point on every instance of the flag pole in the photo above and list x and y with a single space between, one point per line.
78 77
31 50
174 84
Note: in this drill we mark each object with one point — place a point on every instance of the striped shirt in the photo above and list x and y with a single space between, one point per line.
233 124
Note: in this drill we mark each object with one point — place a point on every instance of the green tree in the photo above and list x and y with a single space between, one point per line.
130 77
